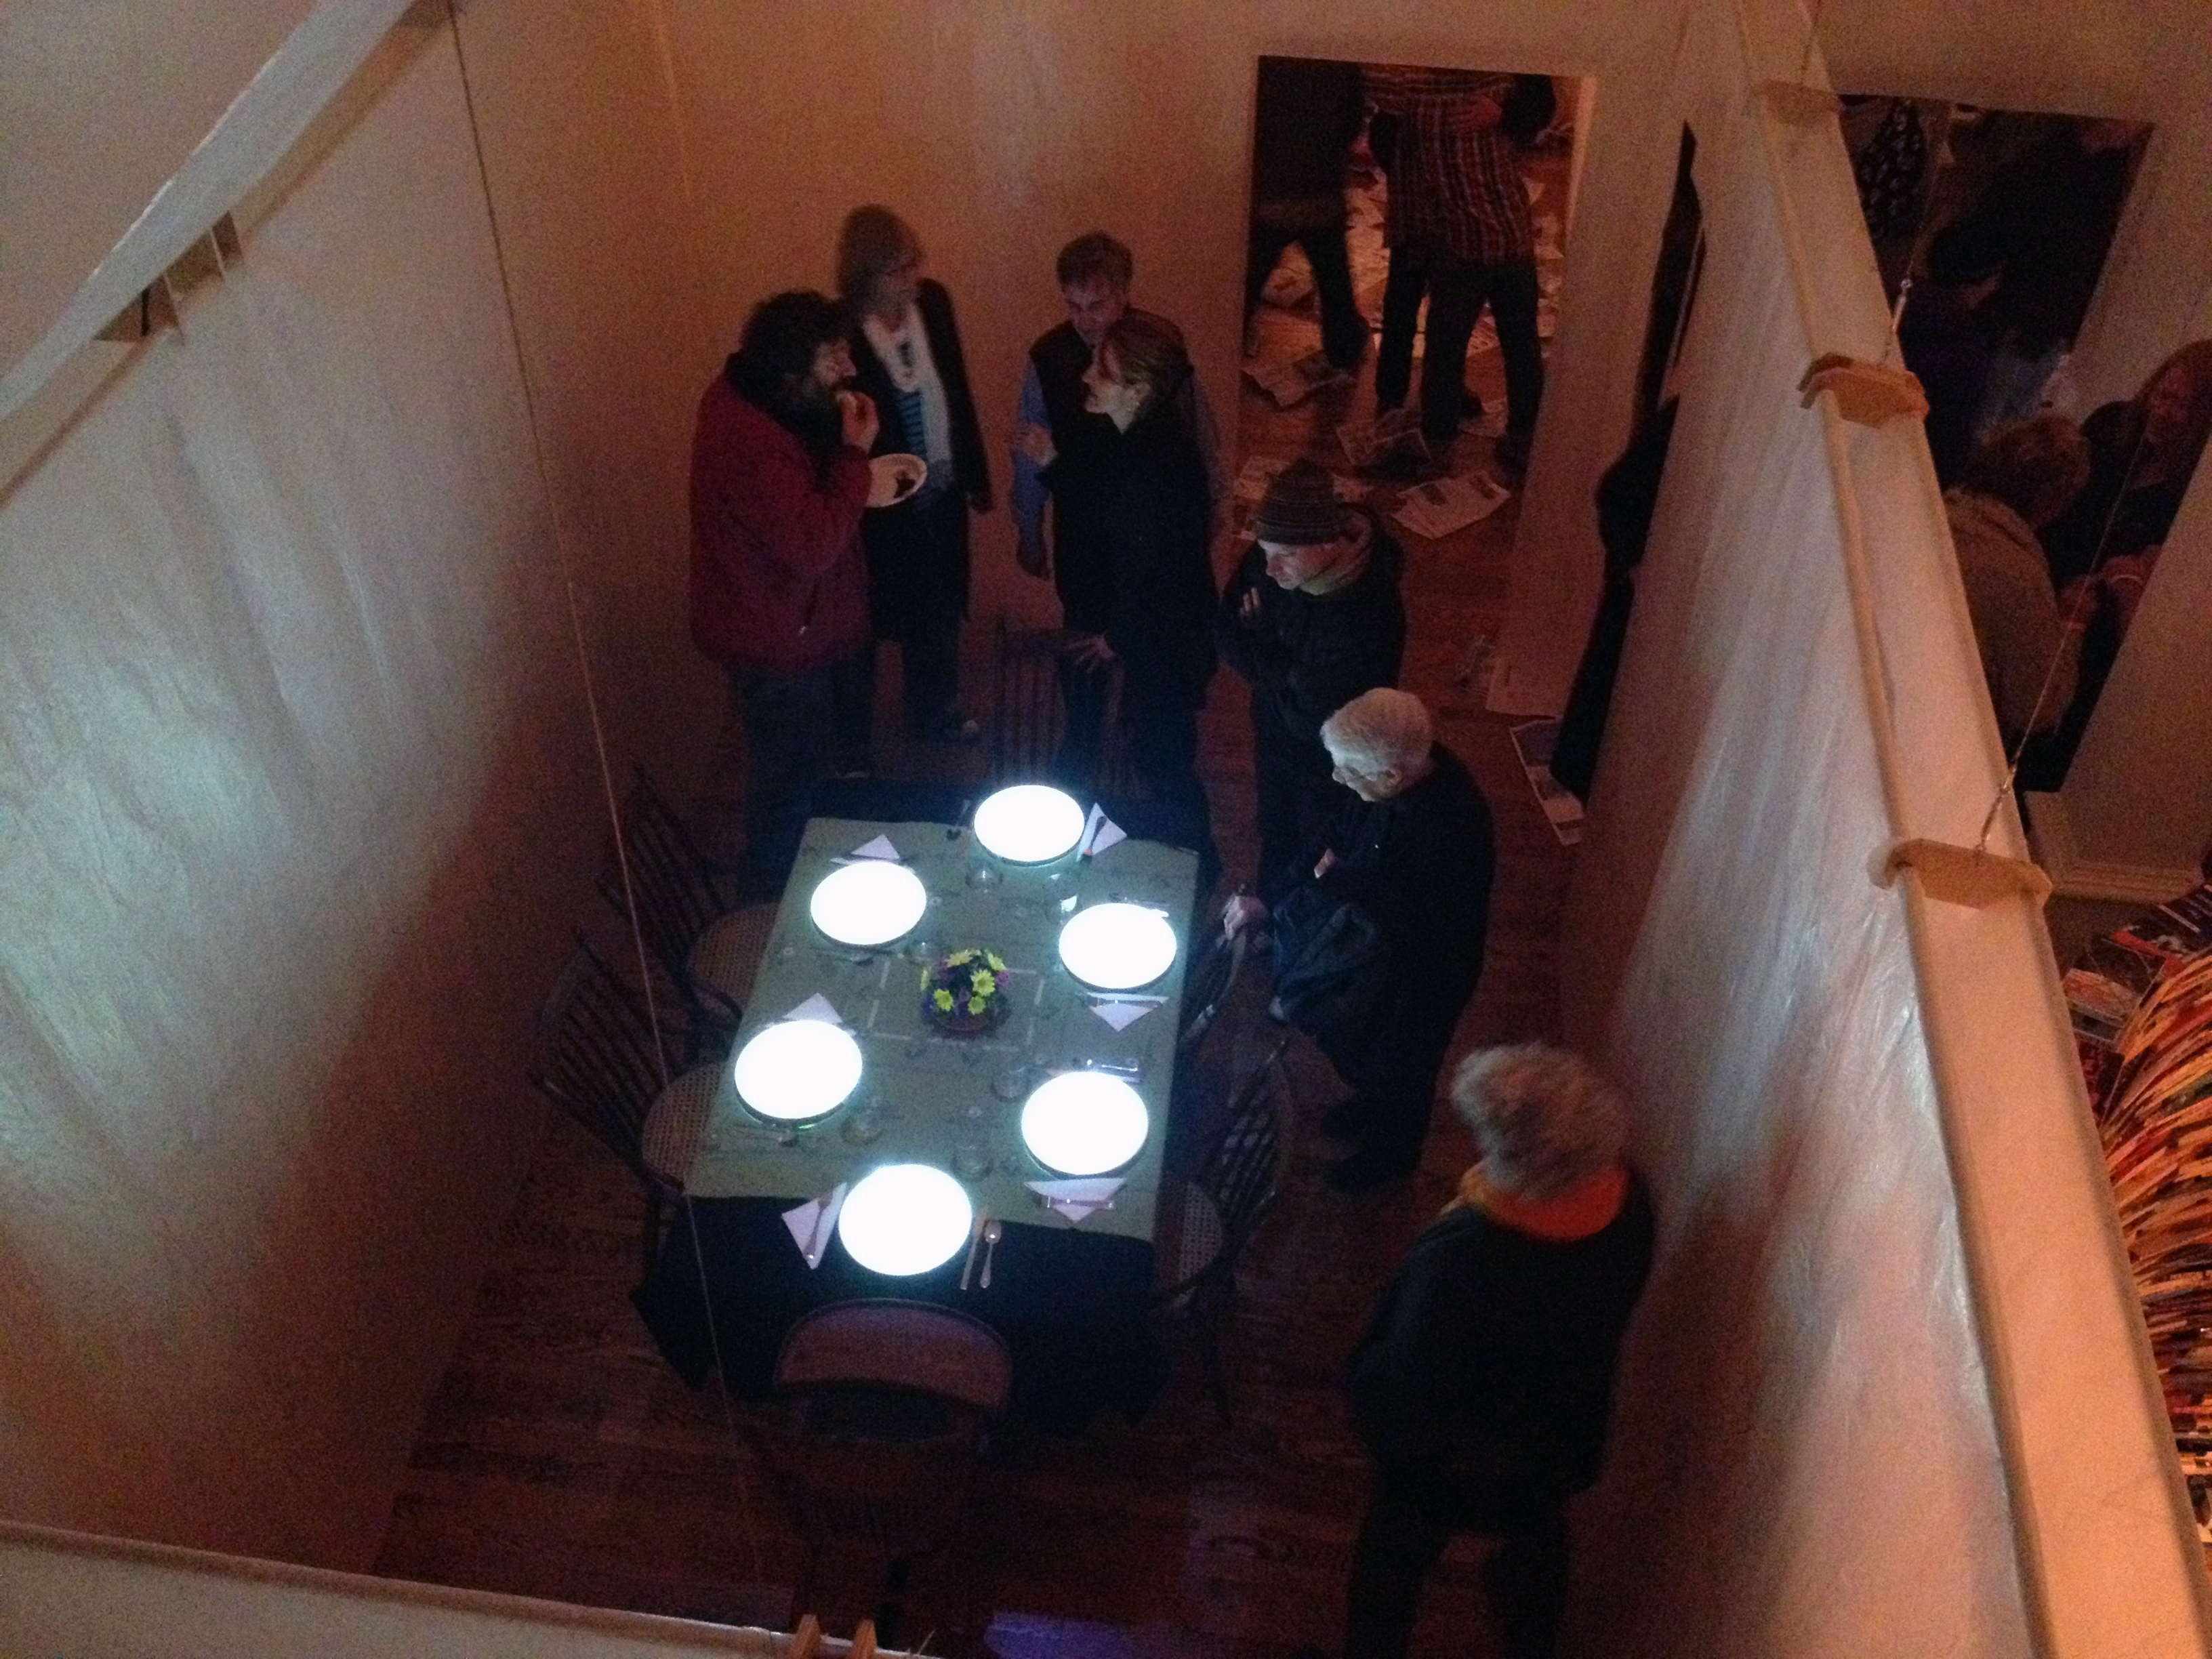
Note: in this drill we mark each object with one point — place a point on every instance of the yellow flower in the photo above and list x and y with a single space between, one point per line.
992 956
984 981
977 1005
960 958
944 1001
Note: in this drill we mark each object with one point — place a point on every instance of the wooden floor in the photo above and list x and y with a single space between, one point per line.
561 1458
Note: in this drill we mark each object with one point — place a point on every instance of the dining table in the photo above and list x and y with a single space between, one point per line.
1067 1282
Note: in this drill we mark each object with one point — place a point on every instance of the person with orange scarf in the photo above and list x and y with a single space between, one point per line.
1484 1381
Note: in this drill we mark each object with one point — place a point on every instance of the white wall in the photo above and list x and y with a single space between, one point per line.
302 803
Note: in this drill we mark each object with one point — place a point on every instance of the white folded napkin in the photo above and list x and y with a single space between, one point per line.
1100 832
880 847
817 1007
1077 1199
813 1223
1122 1015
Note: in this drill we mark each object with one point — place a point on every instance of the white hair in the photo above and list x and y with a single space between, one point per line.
1547 1121
1380 731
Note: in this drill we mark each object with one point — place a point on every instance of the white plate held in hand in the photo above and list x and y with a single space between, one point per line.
892 478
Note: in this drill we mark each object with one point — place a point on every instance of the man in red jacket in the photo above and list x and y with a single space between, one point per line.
779 581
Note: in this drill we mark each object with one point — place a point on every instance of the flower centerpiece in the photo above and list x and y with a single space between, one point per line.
965 991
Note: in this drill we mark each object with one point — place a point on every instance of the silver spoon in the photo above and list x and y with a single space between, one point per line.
992 1229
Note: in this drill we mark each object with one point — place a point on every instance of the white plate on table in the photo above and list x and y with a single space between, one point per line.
1085 1123
797 1070
869 901
905 1218
892 478
1030 824
1117 947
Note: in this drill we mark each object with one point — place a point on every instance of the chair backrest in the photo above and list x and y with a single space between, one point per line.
1026 722
1208 986
597 1057
678 893
1242 1170
888 1343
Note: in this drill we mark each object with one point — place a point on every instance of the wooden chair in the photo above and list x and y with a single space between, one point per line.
687 912
1207 988
1026 721
600 1059
1213 1214
885 1405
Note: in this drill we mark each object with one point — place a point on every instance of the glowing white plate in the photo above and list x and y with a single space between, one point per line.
798 1069
872 902
1117 947
1029 822
1085 1123
905 1218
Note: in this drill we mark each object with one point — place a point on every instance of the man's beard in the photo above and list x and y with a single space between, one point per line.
811 411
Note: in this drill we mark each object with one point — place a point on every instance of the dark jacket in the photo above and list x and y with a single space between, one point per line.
1487 1367
779 584
1082 478
1627 496
1949 347
918 551
1158 529
1308 654
2140 515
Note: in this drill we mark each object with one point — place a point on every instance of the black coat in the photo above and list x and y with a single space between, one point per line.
1486 1370
1306 655
918 551
1421 864
1158 539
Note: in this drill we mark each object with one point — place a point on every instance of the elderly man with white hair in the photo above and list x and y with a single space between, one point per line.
1400 896
1484 1383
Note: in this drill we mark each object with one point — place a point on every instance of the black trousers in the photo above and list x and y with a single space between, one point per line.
929 660
1343 327
1404 1533
1457 290
1084 695
798 731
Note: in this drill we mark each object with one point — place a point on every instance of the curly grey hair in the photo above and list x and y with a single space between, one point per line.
1547 1121
1380 731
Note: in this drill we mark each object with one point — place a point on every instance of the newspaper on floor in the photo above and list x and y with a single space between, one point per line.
1442 505
1394 432
1533 740
1259 471
1289 384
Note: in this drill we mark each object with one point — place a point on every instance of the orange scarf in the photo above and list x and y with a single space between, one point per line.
1585 1210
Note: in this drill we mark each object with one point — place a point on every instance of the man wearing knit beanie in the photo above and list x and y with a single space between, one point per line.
1312 618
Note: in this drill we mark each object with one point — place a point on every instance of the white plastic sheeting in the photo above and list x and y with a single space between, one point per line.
1888 1391
294 775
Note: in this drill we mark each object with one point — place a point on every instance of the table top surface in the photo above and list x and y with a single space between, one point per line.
928 1097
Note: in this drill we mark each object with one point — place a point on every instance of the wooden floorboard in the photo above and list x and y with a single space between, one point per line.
561 1458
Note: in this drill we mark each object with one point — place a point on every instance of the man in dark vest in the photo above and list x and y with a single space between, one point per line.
1063 452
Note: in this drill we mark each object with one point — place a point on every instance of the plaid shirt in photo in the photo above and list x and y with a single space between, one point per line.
1452 181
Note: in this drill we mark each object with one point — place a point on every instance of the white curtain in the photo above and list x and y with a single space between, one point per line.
1843 1428
296 779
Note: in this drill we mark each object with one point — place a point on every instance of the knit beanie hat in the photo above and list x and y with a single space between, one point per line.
1300 508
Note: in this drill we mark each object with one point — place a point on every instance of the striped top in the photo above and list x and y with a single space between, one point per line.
1453 181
